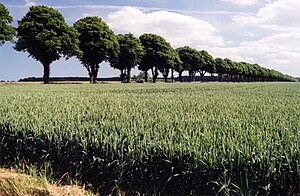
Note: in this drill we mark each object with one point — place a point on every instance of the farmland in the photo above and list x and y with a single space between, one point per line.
186 138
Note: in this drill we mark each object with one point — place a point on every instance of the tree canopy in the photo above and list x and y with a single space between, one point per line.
129 56
206 63
171 62
7 32
97 43
191 59
45 35
158 54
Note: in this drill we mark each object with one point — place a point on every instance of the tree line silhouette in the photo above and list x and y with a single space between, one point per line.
45 35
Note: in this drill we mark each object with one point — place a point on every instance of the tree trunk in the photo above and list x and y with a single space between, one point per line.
193 76
91 77
122 75
220 77
166 74
172 74
146 76
46 73
154 74
128 75
95 69
201 76
190 75
166 78
88 68
180 76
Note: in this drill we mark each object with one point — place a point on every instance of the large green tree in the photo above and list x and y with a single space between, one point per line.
171 61
129 56
97 43
220 67
206 64
45 35
178 67
228 68
191 59
7 32
158 53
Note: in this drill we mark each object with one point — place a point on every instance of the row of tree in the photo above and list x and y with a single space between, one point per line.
45 35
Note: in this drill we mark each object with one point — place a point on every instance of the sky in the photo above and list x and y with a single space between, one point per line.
266 32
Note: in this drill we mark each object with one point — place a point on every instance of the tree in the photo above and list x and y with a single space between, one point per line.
176 65
220 67
206 64
228 68
172 60
45 35
7 32
97 43
179 66
130 54
157 52
191 59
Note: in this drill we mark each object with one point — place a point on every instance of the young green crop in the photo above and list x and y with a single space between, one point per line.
168 138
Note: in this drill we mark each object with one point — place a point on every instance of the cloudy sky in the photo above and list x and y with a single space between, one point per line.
266 32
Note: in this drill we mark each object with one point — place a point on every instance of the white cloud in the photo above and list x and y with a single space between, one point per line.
274 32
275 51
117 7
29 3
242 2
251 34
178 29
279 15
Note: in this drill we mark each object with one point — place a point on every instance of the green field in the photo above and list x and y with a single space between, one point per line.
176 138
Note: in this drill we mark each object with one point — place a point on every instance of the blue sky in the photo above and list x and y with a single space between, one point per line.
266 32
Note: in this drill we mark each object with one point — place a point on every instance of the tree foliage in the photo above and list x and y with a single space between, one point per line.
45 35
191 59
206 63
171 61
129 56
97 43
247 72
158 54
7 32
220 67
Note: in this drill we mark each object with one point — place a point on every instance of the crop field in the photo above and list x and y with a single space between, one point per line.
182 138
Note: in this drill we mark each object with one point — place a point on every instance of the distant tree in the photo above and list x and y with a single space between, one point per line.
7 32
191 60
172 60
243 70
129 56
264 74
220 67
236 71
206 64
257 73
157 52
176 65
97 43
45 35
228 68
179 66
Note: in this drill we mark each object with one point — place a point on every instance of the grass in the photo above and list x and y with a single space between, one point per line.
12 182
157 138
